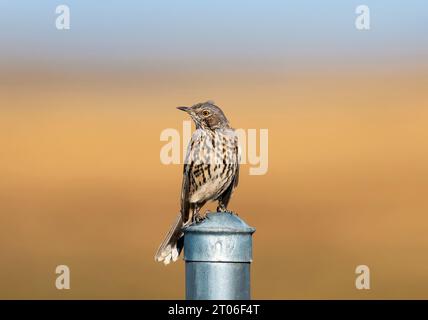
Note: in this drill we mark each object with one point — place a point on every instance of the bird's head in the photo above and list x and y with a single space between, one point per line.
207 115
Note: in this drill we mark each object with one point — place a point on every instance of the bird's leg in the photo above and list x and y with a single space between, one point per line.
196 215
191 218
222 208
187 223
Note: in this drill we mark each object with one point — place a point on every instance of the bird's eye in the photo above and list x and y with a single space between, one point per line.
205 113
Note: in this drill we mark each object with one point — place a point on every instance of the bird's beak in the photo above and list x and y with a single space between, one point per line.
186 109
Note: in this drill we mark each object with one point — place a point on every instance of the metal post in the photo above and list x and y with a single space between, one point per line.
218 253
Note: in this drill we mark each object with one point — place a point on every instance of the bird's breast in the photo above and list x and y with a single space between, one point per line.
213 163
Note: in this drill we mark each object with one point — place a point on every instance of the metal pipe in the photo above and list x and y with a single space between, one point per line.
218 254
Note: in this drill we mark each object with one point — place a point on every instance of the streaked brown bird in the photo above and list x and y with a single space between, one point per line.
211 172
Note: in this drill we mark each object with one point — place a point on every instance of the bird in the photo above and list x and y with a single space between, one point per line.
210 173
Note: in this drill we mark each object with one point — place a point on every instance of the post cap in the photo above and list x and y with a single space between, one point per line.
221 237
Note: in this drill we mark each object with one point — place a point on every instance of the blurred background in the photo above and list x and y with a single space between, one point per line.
81 112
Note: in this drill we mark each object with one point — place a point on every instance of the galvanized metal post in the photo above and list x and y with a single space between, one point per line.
218 254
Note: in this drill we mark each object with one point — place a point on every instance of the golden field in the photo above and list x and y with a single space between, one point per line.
81 182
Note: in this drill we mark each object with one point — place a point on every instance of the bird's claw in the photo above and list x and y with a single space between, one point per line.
223 209
199 219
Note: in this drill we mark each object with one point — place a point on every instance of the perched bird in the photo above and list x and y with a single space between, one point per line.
211 172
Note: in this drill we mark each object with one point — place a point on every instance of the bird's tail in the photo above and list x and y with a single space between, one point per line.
172 244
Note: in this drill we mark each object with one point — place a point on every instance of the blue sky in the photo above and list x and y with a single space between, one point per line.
216 32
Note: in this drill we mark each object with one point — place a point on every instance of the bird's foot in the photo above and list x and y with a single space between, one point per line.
221 208
224 209
232 212
199 218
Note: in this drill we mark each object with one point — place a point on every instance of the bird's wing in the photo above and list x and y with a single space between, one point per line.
227 194
185 190
238 161
186 185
